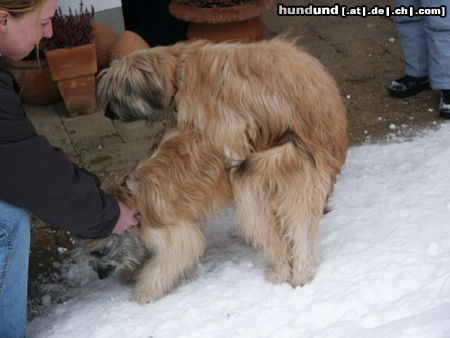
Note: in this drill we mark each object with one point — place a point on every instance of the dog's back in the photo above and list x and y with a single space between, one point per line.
262 89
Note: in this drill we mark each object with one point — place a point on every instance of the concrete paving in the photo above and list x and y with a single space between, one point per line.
363 54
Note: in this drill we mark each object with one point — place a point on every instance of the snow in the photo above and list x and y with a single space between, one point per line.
385 269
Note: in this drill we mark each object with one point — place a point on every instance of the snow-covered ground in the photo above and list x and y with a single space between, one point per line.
385 270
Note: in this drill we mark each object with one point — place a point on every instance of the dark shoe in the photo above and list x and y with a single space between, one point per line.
408 86
444 106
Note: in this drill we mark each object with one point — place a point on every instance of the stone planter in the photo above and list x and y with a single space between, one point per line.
35 80
236 23
128 42
105 39
74 71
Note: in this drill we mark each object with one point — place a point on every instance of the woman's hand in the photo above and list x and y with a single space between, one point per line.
127 219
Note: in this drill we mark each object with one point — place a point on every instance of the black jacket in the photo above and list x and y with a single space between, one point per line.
40 178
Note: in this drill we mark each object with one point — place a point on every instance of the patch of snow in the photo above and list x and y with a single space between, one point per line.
384 271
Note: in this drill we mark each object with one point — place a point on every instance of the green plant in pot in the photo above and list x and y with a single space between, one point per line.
71 57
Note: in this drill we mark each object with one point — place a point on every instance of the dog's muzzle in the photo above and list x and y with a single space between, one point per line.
104 271
110 114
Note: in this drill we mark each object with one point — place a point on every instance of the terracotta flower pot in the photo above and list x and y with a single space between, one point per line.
235 23
74 70
36 82
105 39
127 43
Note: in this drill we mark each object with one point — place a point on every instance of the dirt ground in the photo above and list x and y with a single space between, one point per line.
363 54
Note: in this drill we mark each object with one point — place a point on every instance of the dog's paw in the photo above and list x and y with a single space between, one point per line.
144 296
301 279
277 274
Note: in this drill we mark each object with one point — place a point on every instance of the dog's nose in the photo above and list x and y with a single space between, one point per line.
109 113
103 271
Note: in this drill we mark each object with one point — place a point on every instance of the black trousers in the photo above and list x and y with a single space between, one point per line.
152 20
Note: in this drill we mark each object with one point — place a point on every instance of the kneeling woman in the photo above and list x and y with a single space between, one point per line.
36 177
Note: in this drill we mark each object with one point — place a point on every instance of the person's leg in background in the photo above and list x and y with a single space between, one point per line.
14 256
153 21
129 15
415 53
437 32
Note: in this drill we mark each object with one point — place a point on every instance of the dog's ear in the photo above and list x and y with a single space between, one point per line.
100 248
143 80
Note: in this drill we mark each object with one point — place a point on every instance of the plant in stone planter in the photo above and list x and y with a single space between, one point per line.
223 20
71 56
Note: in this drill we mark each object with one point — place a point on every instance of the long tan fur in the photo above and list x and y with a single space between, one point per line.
261 125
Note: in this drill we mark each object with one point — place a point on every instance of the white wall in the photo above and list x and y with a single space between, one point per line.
99 5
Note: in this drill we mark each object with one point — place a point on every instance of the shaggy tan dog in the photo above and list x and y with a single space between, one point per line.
259 125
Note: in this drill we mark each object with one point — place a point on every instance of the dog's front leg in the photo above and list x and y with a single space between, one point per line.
177 249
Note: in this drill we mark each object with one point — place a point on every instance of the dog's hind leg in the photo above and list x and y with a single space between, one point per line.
299 216
299 204
176 251
280 196
258 224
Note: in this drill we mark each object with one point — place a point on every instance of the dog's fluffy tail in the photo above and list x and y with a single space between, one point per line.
288 156
277 171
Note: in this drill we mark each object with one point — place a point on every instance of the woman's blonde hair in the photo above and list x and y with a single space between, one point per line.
20 7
